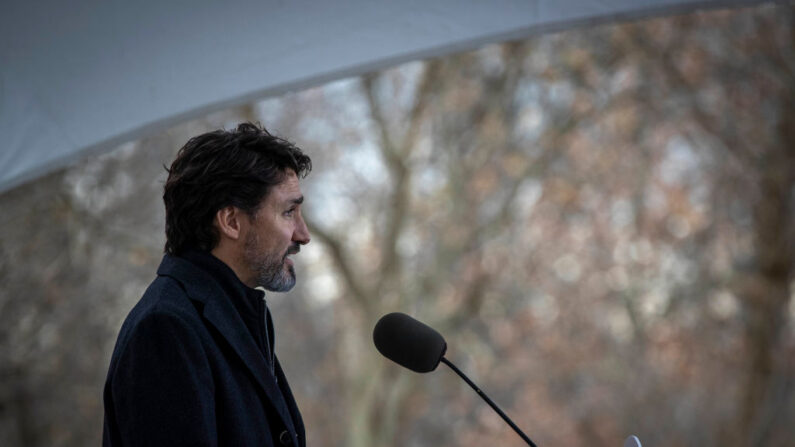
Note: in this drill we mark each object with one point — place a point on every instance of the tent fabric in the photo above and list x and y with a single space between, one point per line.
85 76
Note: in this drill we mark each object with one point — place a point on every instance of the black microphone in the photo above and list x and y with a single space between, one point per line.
408 342
418 347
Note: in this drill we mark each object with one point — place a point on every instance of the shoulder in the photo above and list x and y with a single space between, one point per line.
162 349
165 299
165 312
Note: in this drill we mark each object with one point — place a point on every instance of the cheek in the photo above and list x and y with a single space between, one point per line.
287 238
287 230
277 238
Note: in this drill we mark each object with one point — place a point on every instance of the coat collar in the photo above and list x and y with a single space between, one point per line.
220 312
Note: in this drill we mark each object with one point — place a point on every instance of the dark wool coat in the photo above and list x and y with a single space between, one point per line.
186 371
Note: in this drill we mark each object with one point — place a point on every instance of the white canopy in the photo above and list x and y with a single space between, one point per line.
86 75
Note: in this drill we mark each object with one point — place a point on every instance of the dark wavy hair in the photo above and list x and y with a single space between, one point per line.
218 169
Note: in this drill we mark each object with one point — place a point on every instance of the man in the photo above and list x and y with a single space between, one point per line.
194 362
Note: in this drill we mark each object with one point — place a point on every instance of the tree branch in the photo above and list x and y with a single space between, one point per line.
396 160
359 292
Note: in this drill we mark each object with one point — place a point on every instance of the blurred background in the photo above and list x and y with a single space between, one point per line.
600 221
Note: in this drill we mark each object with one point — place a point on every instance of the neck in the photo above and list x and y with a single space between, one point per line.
231 259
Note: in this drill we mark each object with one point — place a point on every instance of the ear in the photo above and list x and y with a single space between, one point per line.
229 222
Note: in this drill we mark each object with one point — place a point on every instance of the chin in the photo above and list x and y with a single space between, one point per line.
284 284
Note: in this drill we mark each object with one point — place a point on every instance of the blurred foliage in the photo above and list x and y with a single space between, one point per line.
600 222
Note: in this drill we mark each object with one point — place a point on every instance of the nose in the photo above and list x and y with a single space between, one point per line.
301 233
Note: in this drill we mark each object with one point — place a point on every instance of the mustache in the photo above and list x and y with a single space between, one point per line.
295 248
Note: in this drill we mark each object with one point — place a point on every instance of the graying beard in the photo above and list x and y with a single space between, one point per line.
279 280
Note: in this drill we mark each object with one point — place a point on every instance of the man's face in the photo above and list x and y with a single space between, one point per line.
276 231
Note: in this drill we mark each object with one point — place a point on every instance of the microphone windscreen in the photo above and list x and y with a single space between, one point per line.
408 342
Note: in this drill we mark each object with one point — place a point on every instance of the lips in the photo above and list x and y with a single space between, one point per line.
294 249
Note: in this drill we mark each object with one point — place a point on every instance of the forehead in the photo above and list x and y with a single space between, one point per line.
286 191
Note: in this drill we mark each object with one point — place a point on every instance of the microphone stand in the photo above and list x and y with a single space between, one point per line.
488 401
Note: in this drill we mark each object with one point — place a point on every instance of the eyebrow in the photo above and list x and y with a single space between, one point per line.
297 201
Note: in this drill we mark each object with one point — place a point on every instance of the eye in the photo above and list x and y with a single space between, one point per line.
289 212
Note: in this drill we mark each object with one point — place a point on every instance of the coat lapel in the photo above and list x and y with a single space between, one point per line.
220 313
292 408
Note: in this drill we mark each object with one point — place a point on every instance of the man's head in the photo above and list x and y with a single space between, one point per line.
236 194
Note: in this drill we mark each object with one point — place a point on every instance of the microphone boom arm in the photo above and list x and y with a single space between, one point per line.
489 401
